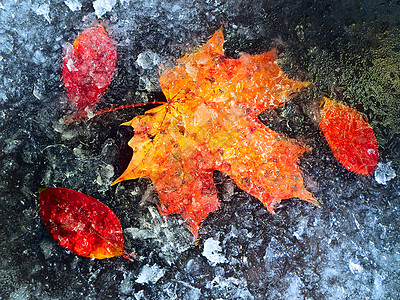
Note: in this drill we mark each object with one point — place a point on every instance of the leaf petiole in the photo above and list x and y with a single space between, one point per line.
104 111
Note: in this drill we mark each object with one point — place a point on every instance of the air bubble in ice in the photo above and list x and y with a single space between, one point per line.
202 116
70 65
301 228
232 287
180 290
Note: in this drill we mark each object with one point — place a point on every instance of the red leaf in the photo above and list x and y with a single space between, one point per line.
80 223
88 68
350 137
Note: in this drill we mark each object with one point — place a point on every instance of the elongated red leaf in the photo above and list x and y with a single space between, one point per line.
80 223
350 137
88 68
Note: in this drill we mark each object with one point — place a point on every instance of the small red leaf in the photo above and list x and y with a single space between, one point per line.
88 68
80 223
350 137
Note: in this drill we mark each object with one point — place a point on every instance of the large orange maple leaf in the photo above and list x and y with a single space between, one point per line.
210 123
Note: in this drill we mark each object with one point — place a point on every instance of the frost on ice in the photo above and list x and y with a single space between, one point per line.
212 251
150 274
148 60
384 173
42 9
103 6
73 4
355 267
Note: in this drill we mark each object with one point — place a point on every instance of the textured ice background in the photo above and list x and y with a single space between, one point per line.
347 249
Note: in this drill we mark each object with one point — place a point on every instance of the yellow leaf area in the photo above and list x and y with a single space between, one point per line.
210 123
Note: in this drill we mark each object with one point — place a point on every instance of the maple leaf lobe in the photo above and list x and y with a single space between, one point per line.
210 123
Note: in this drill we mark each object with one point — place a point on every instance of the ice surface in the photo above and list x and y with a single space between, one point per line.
347 249
212 251
180 290
169 235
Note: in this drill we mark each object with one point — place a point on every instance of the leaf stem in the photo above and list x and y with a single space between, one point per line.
104 111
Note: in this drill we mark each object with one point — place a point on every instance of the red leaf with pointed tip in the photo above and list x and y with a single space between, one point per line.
350 137
80 223
88 68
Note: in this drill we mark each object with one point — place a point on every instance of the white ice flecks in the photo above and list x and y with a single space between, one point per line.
103 6
384 173
148 60
150 274
6 43
378 290
42 9
73 4
212 251
355 267
295 285
232 287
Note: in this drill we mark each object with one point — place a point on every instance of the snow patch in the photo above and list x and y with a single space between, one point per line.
212 251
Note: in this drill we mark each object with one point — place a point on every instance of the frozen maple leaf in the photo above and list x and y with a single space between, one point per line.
210 123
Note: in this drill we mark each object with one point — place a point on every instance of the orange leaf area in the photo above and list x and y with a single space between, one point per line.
88 68
80 223
210 123
350 137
